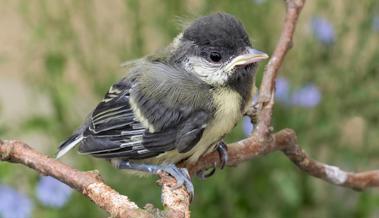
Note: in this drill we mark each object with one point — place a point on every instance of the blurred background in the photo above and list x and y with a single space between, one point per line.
58 58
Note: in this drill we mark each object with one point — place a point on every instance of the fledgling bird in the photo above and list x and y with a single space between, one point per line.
175 105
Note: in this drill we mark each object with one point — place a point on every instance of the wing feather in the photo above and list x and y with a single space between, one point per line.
115 130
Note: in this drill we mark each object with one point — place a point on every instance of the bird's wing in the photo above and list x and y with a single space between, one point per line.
132 125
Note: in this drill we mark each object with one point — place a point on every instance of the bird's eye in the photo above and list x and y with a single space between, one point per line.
215 57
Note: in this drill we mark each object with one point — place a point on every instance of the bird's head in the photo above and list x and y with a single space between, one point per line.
216 49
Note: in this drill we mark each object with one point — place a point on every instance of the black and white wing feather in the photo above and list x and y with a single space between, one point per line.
129 124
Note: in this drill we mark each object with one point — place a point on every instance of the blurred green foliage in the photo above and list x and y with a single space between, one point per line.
80 44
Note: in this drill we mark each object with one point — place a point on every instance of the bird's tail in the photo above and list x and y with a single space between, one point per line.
69 144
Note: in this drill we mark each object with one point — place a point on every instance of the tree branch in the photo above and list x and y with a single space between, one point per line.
286 141
176 201
332 174
88 183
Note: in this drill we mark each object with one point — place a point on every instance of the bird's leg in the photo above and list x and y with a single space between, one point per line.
180 174
222 150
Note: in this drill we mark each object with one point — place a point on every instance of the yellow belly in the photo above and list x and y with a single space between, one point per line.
227 115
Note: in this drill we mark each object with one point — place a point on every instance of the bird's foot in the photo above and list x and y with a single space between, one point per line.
253 113
181 175
222 150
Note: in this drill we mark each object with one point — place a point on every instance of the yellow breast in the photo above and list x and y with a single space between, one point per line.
228 113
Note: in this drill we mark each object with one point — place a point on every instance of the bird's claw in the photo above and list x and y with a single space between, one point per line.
203 174
253 113
182 178
222 150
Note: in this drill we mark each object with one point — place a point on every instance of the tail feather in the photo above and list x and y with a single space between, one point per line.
69 144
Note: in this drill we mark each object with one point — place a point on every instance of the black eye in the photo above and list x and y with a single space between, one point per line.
215 56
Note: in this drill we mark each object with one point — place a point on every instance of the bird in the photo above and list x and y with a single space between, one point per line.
177 104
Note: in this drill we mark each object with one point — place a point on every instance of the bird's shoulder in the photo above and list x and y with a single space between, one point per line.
167 83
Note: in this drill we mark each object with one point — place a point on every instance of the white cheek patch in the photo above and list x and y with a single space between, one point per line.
208 72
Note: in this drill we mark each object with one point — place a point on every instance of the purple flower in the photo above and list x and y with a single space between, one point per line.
323 30
308 96
247 126
282 90
375 23
52 193
14 204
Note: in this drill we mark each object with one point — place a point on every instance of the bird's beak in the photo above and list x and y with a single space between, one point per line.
248 57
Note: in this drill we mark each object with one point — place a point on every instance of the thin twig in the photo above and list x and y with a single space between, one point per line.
266 91
286 141
332 174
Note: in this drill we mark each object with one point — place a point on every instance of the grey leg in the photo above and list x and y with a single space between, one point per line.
180 174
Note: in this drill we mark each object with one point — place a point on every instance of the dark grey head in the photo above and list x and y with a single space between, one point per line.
216 48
